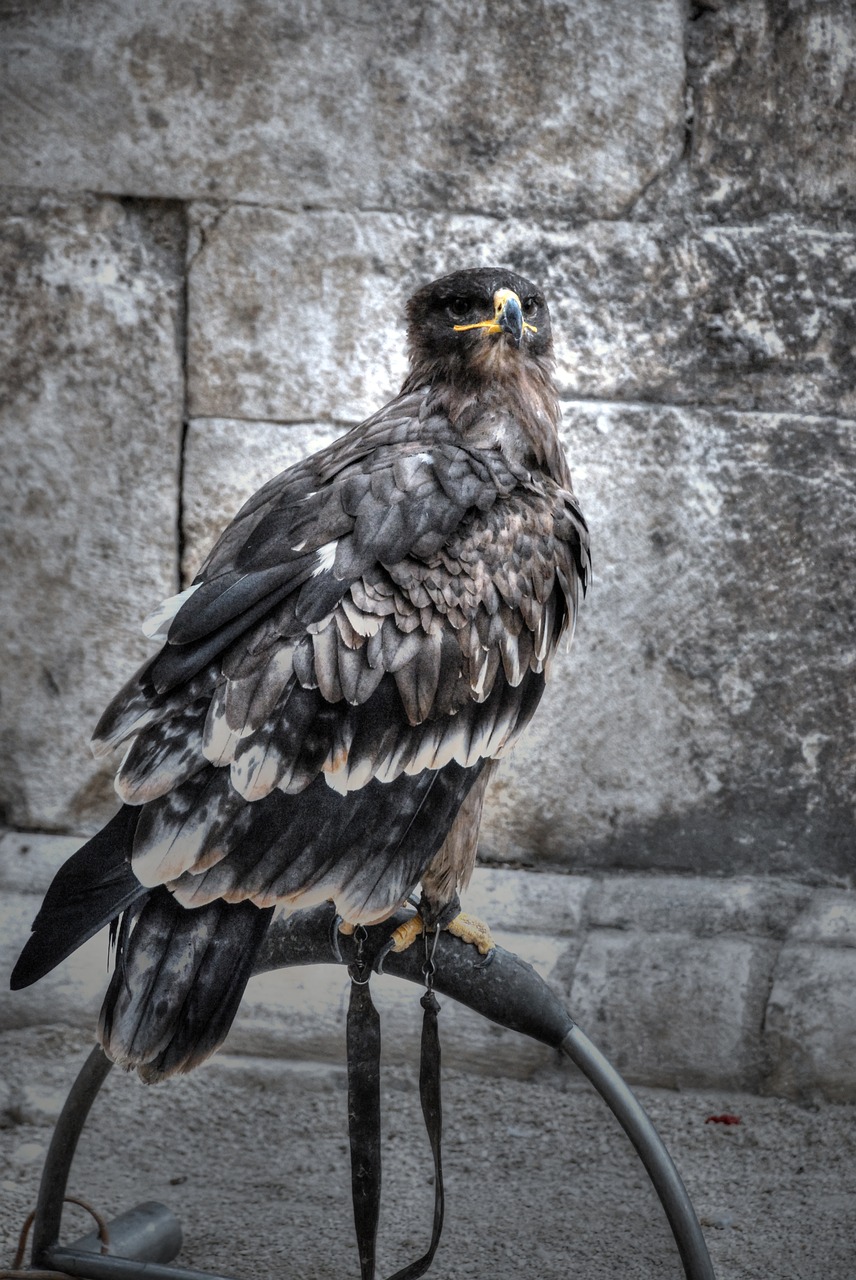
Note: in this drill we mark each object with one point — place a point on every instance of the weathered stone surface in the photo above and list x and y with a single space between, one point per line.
559 107
749 906
225 462
774 86
71 994
671 1007
517 902
828 918
705 718
540 1178
38 1106
810 1024
91 428
8 1094
753 318
29 860
300 316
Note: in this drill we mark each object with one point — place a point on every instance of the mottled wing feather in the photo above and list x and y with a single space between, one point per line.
382 610
163 755
178 983
314 846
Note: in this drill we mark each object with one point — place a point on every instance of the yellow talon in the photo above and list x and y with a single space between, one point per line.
406 934
466 927
470 929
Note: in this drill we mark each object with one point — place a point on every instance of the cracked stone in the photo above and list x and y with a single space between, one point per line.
561 108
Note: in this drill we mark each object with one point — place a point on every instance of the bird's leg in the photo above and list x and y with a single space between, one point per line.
449 917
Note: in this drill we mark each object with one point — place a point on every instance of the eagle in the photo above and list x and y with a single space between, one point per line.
367 639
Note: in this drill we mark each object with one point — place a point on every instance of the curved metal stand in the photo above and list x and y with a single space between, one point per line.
507 991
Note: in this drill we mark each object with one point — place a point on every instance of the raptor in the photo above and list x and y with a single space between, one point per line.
367 639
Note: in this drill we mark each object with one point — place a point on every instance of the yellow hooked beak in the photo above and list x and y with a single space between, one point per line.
507 317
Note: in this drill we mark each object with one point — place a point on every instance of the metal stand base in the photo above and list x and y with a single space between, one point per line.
507 991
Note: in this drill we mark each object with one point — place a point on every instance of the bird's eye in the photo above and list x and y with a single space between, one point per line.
529 306
459 308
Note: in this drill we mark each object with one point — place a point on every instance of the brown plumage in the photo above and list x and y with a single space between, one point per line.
368 637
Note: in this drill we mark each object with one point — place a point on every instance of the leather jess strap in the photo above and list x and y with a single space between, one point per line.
363 1045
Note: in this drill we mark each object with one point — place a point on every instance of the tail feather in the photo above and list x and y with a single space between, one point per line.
178 983
90 890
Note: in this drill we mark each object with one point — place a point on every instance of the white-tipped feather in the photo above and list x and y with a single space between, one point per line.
347 777
511 659
497 740
365 624
101 747
469 748
390 768
169 857
157 624
428 748
446 750
326 556
479 687
118 781
544 631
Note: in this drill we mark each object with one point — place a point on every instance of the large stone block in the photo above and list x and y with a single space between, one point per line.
754 318
91 437
520 903
774 87
551 106
705 907
669 1008
810 1023
293 317
704 718
829 918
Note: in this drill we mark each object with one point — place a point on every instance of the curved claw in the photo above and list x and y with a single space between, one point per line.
401 938
334 938
381 956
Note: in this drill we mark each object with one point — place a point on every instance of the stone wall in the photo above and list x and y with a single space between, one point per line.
191 199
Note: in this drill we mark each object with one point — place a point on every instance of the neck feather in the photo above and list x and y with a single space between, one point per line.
503 401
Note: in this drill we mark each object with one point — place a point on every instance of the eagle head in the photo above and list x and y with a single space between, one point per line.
484 324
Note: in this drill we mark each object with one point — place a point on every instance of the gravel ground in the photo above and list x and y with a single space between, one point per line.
540 1180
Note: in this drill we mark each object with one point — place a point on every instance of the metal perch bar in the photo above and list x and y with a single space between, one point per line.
507 991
